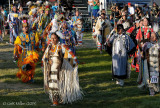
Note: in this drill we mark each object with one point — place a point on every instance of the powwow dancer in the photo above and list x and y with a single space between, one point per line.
102 29
20 13
60 73
13 24
132 32
45 20
77 24
33 20
24 52
122 46
53 26
69 38
151 56
142 37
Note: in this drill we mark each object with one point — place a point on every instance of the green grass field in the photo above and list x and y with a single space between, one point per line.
95 79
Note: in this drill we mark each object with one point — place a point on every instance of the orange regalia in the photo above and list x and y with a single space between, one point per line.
26 56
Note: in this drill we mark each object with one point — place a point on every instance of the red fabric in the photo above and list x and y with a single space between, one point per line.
130 30
47 6
139 34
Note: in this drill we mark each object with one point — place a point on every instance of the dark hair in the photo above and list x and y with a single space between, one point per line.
103 14
120 26
55 35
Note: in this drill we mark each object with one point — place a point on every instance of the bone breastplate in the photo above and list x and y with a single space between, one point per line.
119 46
54 69
154 60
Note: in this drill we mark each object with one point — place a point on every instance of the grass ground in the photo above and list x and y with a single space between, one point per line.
95 79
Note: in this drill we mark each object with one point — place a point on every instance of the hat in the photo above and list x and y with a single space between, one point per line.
129 3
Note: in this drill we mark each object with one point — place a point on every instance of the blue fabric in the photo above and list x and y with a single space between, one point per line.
90 8
95 12
120 54
54 8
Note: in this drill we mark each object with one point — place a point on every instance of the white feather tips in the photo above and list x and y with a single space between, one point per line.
28 3
60 34
156 27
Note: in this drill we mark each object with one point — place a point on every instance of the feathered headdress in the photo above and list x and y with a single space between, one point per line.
32 11
58 33
29 3
39 2
47 5
24 18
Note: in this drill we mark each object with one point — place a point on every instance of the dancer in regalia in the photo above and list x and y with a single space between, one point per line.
13 24
151 56
46 18
24 52
77 24
20 13
122 46
102 29
142 37
69 38
60 73
132 32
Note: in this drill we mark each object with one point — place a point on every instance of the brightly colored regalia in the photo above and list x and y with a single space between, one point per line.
61 74
46 19
25 53
132 32
68 39
77 24
142 37
102 30
151 51
13 24
53 26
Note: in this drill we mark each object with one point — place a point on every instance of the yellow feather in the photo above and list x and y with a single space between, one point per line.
37 37
17 41
30 13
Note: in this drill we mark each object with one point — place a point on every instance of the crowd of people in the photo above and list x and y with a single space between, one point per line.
130 32
46 29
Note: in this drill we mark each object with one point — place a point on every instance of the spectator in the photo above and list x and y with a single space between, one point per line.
124 21
130 11
95 8
90 6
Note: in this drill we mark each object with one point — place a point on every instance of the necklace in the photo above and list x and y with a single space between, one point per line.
148 30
